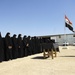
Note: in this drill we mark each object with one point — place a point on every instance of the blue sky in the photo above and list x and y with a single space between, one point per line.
35 17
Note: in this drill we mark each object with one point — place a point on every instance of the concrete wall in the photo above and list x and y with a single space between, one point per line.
64 38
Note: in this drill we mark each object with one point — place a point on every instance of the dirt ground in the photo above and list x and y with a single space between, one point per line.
63 64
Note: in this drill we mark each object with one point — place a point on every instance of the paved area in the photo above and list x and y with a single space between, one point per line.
63 64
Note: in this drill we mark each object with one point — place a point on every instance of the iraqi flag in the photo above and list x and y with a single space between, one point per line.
68 23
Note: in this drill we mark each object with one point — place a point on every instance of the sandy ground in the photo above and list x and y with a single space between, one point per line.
63 64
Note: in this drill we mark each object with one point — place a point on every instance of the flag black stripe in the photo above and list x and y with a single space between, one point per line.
69 26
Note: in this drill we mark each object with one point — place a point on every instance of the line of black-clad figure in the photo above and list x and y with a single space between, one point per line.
18 47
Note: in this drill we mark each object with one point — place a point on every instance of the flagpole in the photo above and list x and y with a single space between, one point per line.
68 24
65 36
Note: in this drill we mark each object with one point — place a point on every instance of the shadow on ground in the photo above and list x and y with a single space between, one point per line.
39 57
67 56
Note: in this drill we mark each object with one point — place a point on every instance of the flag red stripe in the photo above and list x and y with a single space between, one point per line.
68 20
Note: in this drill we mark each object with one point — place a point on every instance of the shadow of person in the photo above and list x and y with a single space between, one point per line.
68 56
39 57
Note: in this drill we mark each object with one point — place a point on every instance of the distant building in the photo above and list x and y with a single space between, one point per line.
61 38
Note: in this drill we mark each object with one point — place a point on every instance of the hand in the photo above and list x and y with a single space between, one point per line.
19 46
9 47
27 45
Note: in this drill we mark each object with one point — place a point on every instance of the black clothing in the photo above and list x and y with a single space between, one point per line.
28 46
32 45
1 49
24 45
20 46
8 47
15 47
38 45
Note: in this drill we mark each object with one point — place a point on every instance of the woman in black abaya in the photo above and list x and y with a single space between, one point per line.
8 46
1 49
15 47
20 46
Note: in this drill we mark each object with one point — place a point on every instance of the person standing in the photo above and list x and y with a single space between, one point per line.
15 47
28 46
20 46
24 45
8 46
1 49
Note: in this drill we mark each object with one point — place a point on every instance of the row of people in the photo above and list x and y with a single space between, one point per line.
17 47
